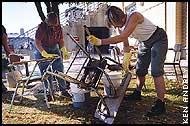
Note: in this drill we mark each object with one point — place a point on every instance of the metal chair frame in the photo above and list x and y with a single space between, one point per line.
26 80
176 62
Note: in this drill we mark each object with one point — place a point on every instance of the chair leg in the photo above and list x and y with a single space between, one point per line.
176 74
45 95
181 71
13 97
21 97
50 91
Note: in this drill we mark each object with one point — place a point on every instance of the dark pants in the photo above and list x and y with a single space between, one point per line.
152 51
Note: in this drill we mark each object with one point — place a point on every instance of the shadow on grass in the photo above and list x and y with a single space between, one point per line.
175 91
130 112
133 112
84 114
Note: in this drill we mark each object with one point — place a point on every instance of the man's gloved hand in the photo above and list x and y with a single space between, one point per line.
93 40
46 55
66 55
126 62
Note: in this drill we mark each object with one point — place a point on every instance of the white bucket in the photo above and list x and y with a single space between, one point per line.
116 79
80 99
75 89
78 95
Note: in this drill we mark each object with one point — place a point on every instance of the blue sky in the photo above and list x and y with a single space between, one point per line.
16 15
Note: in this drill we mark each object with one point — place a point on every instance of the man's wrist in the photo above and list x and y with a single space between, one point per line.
63 49
100 41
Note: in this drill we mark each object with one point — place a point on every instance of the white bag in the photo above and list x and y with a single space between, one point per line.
12 78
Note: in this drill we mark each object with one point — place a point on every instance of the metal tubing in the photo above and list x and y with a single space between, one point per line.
79 45
97 50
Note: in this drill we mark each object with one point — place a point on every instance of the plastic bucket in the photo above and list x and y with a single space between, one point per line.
75 89
116 78
80 99
79 96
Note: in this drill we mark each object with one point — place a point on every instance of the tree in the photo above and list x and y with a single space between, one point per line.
40 11
50 6
53 6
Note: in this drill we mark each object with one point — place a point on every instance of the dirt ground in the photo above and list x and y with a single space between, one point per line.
33 110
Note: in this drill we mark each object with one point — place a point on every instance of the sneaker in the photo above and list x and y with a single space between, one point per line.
157 109
136 95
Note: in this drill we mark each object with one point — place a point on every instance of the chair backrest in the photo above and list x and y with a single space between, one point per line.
92 74
174 54
177 50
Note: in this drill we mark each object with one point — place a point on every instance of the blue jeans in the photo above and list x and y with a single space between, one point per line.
56 66
152 51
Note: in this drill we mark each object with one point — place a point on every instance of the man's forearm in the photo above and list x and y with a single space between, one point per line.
126 47
5 44
61 43
38 45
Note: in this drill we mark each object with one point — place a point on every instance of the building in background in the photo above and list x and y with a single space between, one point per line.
20 43
171 16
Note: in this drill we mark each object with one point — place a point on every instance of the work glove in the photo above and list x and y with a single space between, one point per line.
93 40
46 55
126 62
66 55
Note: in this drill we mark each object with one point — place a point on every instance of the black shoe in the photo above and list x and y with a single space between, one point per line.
157 109
136 95
66 94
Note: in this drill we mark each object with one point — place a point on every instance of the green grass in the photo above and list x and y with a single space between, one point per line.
33 110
